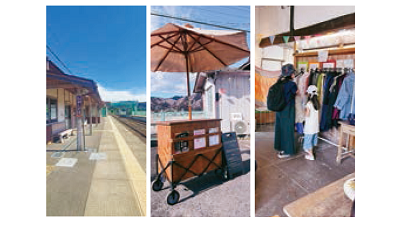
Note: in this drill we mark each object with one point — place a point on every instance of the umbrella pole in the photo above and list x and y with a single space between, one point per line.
188 87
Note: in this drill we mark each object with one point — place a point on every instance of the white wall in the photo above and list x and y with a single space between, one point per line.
236 98
278 52
60 105
308 15
211 114
272 20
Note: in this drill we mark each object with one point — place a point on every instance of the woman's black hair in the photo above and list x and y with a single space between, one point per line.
314 101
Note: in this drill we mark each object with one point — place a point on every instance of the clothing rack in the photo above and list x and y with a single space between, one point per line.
331 53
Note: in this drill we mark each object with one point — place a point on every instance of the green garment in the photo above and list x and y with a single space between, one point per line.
284 130
320 86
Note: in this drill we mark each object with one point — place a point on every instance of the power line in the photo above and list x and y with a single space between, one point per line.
198 22
224 13
58 59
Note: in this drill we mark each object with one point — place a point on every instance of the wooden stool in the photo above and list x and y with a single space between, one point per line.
350 130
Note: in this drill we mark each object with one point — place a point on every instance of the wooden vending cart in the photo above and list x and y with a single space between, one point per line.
187 148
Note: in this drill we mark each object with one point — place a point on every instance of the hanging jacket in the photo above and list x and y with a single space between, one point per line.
345 96
303 88
336 111
320 85
313 78
325 119
302 83
320 82
299 109
333 93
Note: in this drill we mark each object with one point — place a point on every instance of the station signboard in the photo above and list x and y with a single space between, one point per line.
79 104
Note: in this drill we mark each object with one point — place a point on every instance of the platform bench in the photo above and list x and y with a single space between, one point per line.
64 134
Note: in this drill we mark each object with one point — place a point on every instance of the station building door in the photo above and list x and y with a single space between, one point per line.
68 124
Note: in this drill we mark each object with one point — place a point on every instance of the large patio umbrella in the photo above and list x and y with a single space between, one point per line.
176 48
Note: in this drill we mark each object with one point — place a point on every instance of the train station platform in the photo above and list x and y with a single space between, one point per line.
106 180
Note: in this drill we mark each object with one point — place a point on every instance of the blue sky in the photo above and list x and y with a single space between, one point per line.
170 84
103 43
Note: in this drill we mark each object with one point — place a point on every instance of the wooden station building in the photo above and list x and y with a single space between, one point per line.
63 93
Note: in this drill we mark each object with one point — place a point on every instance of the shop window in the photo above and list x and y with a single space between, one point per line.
51 110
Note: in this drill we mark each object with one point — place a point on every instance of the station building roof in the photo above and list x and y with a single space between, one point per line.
56 78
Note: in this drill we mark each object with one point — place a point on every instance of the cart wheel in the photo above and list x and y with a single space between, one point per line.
224 174
173 197
157 185
162 177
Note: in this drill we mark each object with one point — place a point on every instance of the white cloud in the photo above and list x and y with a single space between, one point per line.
116 96
170 83
176 11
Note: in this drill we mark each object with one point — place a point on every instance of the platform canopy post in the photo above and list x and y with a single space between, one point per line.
97 114
90 117
79 121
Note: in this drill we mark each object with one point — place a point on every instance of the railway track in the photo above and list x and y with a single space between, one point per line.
136 125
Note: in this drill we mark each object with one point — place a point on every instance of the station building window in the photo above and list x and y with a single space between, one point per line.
51 110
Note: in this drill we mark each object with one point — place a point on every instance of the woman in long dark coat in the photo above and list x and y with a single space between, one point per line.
285 119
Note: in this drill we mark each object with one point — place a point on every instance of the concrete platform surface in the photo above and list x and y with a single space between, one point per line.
97 187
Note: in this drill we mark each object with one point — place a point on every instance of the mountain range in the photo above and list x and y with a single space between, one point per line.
176 103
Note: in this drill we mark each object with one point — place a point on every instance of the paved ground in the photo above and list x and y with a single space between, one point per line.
281 181
100 187
207 196
67 188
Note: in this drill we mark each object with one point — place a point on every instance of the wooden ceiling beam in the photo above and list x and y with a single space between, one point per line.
342 51
343 22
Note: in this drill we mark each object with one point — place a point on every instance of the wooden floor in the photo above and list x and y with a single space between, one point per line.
282 181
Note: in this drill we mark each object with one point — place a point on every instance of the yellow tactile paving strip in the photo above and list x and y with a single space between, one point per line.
136 175
112 191
49 169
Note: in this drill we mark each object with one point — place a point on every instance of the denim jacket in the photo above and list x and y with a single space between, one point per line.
345 101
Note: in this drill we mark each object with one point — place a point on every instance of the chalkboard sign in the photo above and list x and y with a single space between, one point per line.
232 154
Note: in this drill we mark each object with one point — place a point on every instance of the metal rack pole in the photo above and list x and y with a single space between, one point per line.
331 143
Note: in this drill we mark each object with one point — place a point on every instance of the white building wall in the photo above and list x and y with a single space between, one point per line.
209 103
282 53
60 105
235 98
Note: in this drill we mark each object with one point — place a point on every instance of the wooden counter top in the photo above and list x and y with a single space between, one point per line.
174 122
329 201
